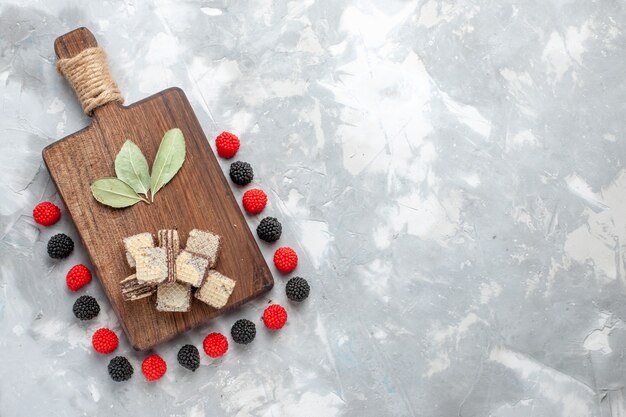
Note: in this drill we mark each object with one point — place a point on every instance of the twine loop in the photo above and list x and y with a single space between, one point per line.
89 76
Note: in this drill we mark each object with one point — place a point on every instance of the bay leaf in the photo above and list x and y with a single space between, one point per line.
169 159
115 193
132 168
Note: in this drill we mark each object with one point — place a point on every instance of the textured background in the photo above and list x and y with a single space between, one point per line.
451 172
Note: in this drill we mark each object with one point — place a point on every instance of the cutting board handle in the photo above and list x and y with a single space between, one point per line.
74 42
84 65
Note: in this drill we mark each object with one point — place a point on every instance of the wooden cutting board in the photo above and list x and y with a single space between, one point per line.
199 196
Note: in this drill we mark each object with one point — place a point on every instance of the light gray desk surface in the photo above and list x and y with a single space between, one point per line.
452 174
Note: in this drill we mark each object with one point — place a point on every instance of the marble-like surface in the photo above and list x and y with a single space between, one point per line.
452 174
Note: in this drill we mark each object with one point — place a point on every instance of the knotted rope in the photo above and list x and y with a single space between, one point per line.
89 76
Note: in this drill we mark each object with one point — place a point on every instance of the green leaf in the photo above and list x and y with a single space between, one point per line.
115 193
168 160
132 168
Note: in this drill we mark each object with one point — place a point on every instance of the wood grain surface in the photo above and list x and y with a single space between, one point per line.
199 196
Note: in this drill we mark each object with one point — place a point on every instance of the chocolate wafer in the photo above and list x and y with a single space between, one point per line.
134 290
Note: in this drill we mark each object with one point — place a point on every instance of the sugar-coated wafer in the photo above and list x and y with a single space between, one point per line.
151 265
216 289
136 242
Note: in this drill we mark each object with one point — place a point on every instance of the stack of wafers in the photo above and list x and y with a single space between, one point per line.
172 273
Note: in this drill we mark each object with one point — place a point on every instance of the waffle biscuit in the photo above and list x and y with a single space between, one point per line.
169 235
136 242
168 240
174 297
134 290
216 289
190 269
204 244
151 265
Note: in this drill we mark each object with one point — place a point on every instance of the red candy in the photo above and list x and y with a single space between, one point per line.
215 345
227 145
46 214
275 317
153 367
254 201
104 341
77 277
285 259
